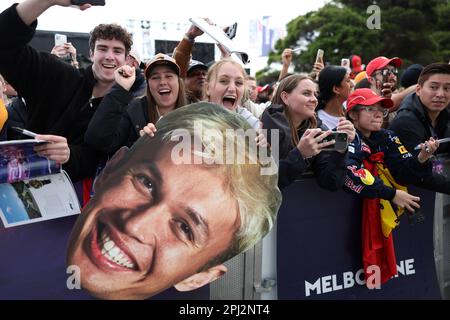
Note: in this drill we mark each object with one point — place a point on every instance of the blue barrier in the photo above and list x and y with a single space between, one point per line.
32 264
319 248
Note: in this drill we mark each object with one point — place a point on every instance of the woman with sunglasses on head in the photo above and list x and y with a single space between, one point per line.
377 165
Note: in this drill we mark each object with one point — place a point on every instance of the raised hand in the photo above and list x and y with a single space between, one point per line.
125 76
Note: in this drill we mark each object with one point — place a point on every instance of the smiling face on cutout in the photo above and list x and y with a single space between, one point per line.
149 227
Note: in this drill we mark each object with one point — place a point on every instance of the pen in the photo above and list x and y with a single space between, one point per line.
440 141
25 132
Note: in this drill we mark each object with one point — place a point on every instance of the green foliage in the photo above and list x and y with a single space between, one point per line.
266 76
418 31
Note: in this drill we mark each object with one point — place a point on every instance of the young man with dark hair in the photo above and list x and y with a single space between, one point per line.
61 100
424 114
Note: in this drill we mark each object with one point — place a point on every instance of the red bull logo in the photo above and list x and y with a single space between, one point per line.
360 173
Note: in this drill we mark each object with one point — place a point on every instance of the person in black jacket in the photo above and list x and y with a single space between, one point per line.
301 135
367 110
424 114
120 119
60 99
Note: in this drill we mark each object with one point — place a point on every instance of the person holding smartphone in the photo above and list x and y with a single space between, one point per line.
60 99
67 52
301 135
382 75
378 168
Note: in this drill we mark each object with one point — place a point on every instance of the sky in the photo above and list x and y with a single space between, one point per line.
177 15
224 12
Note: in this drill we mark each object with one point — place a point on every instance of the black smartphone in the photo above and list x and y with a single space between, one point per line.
385 76
341 141
231 31
91 2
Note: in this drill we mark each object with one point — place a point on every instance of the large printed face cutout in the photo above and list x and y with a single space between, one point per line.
155 223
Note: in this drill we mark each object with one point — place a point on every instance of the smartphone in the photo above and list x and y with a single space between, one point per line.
60 39
319 56
91 2
341 141
231 31
384 80
385 76
345 63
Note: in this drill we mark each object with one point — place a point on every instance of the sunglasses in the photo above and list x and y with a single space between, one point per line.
385 72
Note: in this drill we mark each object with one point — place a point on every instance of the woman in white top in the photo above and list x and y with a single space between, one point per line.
335 86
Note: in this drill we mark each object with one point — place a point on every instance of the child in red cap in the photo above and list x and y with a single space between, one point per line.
377 160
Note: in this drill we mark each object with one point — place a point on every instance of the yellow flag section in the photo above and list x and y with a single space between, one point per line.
3 114
389 217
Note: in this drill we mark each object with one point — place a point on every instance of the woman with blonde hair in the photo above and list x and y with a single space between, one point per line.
226 86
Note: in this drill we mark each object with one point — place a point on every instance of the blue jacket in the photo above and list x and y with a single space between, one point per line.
404 167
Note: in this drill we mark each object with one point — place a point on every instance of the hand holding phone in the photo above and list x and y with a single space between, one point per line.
341 141
91 2
60 39
319 55
345 63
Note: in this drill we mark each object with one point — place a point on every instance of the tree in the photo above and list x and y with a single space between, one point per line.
417 31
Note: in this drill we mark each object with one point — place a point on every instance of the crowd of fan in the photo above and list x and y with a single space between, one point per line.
87 114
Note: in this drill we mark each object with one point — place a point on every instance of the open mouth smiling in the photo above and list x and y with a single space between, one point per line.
108 252
229 101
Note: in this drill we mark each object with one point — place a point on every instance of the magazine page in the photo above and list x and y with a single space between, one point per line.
18 161
37 199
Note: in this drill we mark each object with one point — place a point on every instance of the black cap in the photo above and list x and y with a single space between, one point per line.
411 75
195 64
